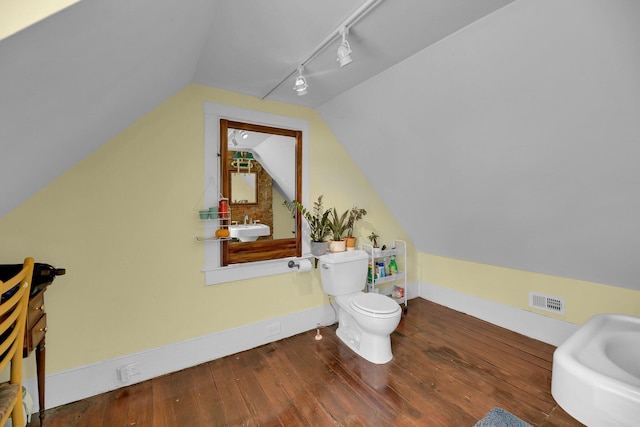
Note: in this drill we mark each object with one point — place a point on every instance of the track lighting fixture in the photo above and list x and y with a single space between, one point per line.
234 133
301 83
344 50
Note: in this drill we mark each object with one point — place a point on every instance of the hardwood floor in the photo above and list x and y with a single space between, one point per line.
449 369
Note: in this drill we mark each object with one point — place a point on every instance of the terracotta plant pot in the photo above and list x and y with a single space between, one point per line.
350 243
337 245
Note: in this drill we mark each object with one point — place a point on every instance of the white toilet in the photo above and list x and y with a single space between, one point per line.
365 320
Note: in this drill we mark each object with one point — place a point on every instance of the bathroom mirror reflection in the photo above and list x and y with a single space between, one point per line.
260 169
244 189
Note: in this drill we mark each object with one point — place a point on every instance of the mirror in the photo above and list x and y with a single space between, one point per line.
244 188
261 168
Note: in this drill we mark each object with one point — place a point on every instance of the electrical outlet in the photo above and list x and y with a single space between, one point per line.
127 371
134 369
273 329
123 374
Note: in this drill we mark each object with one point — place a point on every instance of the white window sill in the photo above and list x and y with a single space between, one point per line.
235 272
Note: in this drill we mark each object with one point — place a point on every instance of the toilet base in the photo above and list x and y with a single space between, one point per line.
373 347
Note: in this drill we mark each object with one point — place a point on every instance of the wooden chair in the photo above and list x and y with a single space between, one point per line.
13 311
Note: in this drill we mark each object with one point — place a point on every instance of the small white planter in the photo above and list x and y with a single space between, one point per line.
337 245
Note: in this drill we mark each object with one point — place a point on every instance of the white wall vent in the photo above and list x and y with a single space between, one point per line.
546 302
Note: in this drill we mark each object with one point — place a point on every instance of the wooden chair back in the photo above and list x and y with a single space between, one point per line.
13 311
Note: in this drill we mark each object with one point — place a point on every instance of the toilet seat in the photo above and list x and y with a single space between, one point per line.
375 305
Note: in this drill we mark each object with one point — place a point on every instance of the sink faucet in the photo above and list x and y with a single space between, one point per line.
246 218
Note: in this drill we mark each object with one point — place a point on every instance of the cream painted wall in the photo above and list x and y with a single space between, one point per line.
283 224
16 15
121 223
511 287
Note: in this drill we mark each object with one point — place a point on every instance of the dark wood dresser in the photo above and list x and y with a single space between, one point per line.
34 339
35 332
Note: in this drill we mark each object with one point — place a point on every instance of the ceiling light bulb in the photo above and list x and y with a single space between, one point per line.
344 50
233 137
301 84
244 134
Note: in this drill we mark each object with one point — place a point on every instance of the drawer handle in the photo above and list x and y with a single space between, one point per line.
43 329
41 308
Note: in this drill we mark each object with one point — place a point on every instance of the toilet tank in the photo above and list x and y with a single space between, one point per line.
343 273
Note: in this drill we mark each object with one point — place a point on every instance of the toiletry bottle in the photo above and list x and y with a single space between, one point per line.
393 266
380 269
223 207
370 274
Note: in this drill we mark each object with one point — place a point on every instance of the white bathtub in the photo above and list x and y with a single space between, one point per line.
596 372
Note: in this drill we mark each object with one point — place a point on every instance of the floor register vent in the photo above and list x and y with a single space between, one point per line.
546 302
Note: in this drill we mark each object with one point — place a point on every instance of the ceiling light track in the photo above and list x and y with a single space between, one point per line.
341 31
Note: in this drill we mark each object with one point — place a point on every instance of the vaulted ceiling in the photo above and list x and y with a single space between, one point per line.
496 131
74 80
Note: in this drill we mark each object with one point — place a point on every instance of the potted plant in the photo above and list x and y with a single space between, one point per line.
373 238
355 214
318 221
338 225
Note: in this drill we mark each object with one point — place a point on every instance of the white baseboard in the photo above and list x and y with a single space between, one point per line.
85 381
546 329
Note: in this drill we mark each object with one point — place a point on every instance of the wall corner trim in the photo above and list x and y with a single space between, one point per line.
89 380
546 329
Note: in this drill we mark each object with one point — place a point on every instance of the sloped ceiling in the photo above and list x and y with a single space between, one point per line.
251 49
71 82
502 135
516 143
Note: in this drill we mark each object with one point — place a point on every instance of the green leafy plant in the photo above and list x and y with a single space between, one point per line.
318 218
355 214
373 238
338 224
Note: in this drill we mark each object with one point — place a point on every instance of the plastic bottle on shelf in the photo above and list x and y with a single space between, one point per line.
381 269
370 274
223 207
393 266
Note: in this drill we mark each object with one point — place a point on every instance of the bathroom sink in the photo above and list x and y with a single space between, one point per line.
596 372
249 232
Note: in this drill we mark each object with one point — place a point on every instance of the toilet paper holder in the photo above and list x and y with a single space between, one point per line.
293 264
299 265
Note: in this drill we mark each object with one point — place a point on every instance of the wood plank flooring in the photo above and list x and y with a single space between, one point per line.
449 369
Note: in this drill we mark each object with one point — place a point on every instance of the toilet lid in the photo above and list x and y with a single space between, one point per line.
375 303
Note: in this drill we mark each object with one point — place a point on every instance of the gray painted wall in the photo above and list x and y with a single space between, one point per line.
514 142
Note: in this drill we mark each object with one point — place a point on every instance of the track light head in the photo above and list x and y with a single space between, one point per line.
344 50
301 85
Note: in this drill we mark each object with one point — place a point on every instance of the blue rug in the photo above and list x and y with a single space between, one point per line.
500 418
